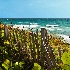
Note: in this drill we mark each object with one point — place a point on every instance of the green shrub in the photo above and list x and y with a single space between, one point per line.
66 60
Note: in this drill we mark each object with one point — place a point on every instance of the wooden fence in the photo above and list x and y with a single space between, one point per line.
33 43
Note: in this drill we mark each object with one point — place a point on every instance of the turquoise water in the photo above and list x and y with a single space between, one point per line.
62 28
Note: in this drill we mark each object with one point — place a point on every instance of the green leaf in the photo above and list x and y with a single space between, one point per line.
1 48
36 67
66 61
65 67
16 63
66 58
7 62
20 64
0 68
5 66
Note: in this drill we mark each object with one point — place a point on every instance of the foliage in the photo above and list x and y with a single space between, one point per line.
66 60
36 67
14 57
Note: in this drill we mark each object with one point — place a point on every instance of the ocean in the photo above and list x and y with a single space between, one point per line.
53 25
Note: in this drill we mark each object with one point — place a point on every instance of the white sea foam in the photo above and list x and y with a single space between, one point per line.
7 18
51 29
59 29
25 26
20 22
66 38
33 23
42 27
20 26
67 27
47 28
52 25
34 26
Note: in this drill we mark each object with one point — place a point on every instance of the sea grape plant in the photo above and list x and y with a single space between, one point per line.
66 60
37 67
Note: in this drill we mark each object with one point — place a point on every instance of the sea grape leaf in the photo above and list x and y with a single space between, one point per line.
7 62
69 54
5 66
65 67
66 58
36 67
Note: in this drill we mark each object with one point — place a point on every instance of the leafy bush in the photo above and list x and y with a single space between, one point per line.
66 60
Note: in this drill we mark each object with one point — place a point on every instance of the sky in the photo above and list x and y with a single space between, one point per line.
34 8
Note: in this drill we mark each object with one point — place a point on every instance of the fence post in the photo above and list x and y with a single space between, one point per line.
47 56
6 32
33 46
37 46
0 30
42 45
16 35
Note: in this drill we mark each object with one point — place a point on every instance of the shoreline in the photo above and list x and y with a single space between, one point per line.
65 38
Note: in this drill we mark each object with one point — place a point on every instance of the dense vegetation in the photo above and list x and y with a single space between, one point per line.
14 57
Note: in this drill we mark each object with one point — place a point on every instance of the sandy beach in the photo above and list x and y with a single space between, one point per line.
66 38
